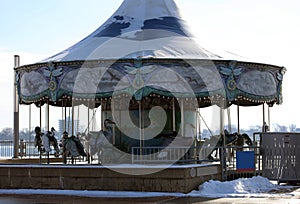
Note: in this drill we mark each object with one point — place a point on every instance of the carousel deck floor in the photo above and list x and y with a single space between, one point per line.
26 174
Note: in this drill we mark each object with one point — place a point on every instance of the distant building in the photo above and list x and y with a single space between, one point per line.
66 125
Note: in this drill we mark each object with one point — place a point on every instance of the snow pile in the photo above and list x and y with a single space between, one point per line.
254 187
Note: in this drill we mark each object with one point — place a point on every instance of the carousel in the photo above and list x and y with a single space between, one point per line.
146 74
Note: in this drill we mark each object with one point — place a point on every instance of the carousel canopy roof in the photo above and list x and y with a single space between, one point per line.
139 29
146 49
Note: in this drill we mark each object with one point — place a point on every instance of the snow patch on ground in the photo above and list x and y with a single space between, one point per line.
257 186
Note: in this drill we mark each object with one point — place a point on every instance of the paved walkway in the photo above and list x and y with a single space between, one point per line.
60 199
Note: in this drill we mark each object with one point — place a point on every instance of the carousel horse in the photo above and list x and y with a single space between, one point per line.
38 142
234 140
43 141
98 140
72 147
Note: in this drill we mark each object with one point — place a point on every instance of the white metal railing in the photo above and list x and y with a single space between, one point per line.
26 149
162 154
6 149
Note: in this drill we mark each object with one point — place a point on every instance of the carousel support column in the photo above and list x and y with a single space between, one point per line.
16 109
65 129
195 135
229 120
264 126
199 124
196 124
46 117
238 119
143 122
65 117
73 128
113 127
69 121
72 158
103 104
173 115
40 108
88 109
62 111
88 131
182 117
77 124
47 126
269 117
41 129
29 127
120 122
140 127
223 148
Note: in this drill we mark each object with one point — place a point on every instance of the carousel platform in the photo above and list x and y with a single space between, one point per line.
176 178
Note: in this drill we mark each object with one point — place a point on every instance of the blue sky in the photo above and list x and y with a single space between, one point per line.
266 31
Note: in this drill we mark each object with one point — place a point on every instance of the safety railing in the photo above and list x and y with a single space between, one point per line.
27 149
6 149
161 155
236 161
241 162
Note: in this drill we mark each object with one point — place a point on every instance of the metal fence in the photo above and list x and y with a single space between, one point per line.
6 149
231 158
163 155
281 156
274 156
27 149
241 162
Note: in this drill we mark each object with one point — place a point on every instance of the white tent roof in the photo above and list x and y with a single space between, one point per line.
139 29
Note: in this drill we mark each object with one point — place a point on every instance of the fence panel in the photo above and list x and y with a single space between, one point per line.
26 149
6 149
281 156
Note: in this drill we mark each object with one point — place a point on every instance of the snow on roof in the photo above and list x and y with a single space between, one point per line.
139 29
